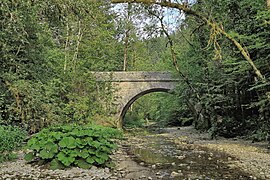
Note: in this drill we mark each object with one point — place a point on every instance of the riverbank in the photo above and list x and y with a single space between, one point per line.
252 158
171 153
184 153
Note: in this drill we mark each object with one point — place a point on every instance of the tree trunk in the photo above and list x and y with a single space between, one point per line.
66 49
126 50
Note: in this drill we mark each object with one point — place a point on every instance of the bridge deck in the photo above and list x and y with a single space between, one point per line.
135 76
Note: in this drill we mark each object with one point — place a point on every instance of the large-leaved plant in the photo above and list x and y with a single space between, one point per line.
73 145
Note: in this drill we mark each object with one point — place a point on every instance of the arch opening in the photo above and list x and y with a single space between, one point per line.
137 96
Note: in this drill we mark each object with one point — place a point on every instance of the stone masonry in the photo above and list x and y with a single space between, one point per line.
131 85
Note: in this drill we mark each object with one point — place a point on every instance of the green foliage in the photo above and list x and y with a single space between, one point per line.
221 93
229 100
149 55
73 145
47 51
133 121
162 109
11 138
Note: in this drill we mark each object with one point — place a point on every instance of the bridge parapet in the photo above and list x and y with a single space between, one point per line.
135 76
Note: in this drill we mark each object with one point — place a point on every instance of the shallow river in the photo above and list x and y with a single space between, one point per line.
182 159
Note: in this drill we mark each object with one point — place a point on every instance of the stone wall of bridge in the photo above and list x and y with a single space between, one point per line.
129 86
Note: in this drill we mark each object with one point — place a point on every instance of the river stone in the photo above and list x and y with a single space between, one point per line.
174 174
143 176
138 174
113 177
106 170
180 165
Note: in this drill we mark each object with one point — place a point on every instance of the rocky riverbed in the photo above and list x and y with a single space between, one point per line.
172 153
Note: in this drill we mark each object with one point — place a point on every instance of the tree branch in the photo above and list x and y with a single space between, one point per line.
173 53
187 10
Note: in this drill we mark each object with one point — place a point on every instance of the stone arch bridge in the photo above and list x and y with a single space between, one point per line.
131 85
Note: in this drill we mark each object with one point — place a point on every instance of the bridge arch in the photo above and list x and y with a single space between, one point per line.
131 85
137 96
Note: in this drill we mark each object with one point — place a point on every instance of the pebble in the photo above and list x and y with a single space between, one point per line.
181 157
174 174
106 170
143 176
180 165
20 170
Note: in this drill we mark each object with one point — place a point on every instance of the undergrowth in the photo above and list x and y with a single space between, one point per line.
73 145
11 139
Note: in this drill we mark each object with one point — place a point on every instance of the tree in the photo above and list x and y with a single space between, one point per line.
47 50
232 97
216 29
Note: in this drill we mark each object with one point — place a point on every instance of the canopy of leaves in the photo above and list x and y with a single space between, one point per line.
48 49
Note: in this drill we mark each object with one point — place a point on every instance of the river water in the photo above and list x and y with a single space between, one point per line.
179 158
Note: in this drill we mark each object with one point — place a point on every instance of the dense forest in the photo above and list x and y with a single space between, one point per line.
219 48
221 92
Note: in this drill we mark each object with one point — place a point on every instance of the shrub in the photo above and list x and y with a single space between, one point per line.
11 139
73 145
